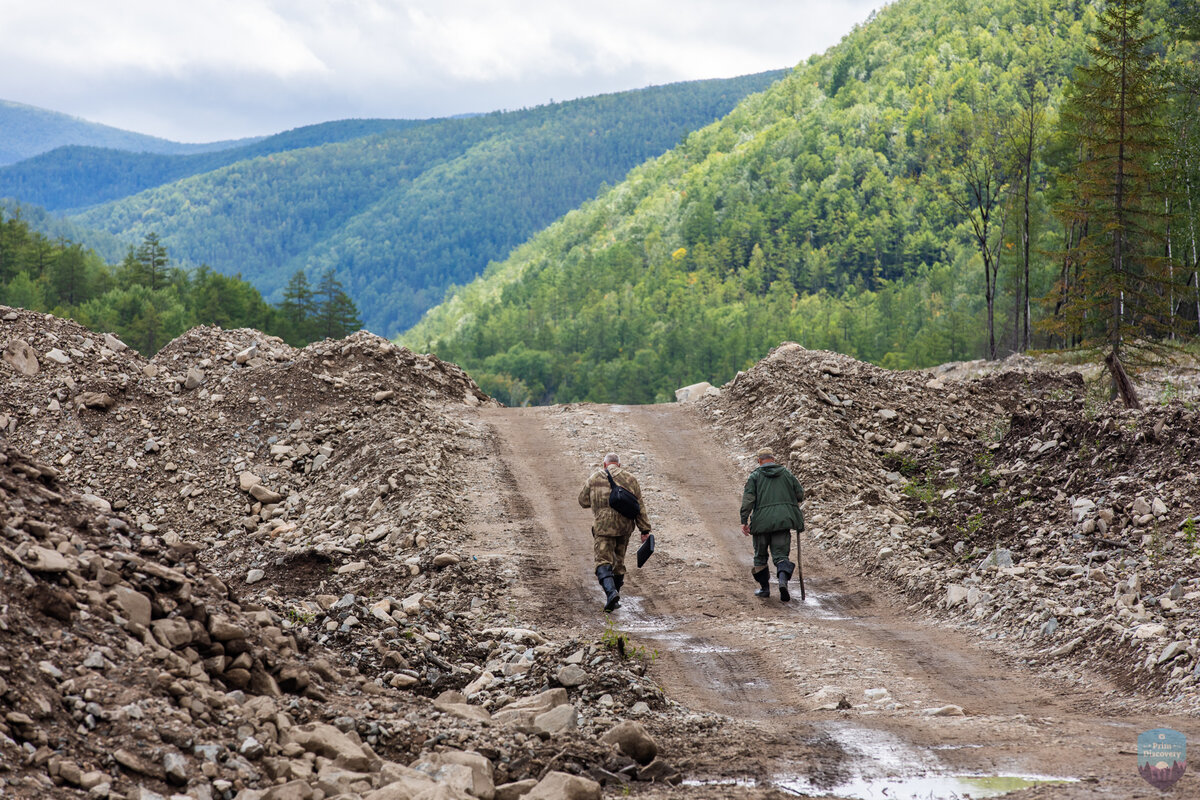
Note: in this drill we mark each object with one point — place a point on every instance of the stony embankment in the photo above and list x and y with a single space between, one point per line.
1004 504
238 569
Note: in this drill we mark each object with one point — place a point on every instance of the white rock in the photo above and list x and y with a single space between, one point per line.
22 357
944 711
1149 631
254 576
690 394
955 594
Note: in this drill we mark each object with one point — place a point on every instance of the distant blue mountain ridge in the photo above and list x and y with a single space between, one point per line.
27 131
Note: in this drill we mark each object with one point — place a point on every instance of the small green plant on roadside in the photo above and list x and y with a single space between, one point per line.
985 462
1169 392
924 490
1190 537
974 523
904 463
613 639
299 617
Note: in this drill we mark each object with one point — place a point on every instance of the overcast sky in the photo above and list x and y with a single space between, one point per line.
201 70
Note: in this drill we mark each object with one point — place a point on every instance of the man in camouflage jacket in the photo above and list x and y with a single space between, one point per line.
610 530
770 512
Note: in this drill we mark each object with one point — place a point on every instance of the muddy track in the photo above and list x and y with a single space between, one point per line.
720 649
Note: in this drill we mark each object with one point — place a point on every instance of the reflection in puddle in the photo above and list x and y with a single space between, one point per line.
819 605
891 769
925 787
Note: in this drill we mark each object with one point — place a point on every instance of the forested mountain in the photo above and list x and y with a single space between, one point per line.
74 176
402 215
26 131
877 201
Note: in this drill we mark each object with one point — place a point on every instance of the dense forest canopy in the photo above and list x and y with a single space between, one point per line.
146 300
403 214
894 198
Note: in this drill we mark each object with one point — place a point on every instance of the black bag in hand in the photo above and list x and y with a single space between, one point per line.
622 500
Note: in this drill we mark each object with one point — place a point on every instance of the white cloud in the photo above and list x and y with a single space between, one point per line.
220 68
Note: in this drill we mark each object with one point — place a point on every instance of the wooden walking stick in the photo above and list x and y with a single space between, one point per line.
799 566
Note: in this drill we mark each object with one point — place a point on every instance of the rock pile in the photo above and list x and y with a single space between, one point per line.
236 570
1001 503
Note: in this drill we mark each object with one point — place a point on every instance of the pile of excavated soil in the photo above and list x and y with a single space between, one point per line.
288 527
1004 504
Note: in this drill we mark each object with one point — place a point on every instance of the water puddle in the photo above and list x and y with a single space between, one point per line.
890 769
819 606
922 787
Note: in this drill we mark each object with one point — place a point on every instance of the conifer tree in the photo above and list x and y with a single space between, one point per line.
337 316
1114 113
299 306
151 262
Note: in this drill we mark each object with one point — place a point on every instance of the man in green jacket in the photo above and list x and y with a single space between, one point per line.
770 512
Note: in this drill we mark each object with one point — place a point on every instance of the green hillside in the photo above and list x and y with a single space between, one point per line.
824 210
27 131
75 177
145 299
401 216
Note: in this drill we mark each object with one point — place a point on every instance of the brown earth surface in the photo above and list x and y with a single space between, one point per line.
770 668
356 577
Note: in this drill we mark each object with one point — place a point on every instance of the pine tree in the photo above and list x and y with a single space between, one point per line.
68 274
1114 114
299 306
151 262
337 316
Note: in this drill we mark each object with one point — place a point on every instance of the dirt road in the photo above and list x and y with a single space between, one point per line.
783 667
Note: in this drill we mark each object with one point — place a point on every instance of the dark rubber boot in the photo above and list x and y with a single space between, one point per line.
764 581
785 569
608 582
619 581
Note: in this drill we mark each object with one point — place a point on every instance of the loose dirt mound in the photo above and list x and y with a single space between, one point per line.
1000 503
314 500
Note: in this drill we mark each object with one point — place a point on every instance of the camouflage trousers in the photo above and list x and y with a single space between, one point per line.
610 550
776 543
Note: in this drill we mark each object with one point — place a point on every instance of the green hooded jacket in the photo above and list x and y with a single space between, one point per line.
771 501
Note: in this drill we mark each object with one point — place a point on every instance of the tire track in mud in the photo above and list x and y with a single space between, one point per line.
722 650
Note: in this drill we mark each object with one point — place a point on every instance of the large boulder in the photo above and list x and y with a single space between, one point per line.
632 740
22 357
525 710
328 741
463 769
690 394
557 720
562 786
